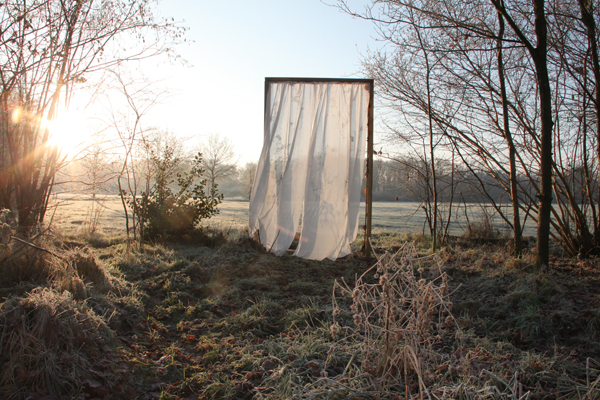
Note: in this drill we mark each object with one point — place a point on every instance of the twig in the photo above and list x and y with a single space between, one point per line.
37 247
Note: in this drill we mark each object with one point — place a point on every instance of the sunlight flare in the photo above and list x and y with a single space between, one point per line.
16 115
67 131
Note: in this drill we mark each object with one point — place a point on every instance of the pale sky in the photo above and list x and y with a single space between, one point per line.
237 44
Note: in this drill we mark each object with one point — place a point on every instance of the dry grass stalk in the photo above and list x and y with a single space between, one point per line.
399 315
88 268
77 272
49 342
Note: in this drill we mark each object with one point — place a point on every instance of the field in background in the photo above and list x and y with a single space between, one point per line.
79 212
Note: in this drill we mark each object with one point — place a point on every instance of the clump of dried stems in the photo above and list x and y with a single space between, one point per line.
80 271
49 342
400 317
55 339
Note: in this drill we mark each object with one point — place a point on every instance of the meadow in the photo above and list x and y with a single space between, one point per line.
77 212
92 316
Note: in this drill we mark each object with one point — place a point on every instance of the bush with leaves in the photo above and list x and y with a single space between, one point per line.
163 213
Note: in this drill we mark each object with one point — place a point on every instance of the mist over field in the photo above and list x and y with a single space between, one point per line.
73 213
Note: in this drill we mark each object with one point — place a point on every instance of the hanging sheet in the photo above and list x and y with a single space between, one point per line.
311 167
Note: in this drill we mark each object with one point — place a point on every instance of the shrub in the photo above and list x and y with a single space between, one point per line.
164 213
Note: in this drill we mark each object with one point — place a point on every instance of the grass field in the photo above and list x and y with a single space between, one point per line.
92 316
222 319
76 212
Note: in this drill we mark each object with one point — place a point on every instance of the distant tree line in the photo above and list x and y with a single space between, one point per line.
404 181
97 168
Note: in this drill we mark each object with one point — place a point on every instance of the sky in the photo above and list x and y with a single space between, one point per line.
235 45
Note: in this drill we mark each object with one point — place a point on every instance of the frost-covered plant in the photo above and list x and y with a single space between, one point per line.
399 315
162 212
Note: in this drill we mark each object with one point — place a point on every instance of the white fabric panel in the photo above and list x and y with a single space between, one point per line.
311 167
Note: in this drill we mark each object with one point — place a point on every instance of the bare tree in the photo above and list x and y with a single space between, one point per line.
247 174
219 160
537 47
464 38
514 190
96 174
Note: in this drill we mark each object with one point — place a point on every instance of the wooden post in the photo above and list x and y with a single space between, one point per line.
369 173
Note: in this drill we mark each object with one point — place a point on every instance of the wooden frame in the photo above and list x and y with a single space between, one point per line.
369 167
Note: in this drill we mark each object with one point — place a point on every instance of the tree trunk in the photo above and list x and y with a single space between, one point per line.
539 55
518 243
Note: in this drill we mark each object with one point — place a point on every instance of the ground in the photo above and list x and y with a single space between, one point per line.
224 319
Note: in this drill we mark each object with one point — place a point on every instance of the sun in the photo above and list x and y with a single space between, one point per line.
68 131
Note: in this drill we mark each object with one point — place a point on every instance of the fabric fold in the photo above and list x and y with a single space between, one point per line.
310 171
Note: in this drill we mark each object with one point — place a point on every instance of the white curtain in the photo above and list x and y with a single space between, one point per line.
311 167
